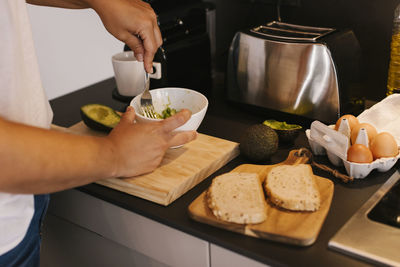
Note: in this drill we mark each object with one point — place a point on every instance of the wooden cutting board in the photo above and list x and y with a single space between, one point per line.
297 228
181 169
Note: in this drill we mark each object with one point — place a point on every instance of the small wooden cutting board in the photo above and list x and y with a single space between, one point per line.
297 228
180 170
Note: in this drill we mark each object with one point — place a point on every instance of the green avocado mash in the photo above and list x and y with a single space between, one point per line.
168 112
281 125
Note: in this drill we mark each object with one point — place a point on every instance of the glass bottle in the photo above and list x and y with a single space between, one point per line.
393 84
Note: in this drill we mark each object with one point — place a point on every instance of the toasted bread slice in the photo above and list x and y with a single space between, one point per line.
293 187
237 197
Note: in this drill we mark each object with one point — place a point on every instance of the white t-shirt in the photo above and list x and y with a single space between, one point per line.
22 99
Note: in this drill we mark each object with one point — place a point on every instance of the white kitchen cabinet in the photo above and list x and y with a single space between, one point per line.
66 244
221 257
160 243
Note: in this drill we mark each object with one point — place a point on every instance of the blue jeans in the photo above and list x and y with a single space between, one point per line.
27 252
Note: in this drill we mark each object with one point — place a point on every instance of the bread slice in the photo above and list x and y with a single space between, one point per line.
237 197
293 187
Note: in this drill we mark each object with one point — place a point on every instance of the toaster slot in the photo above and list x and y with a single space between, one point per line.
293 32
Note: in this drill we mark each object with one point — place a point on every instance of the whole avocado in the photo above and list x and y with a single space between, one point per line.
259 142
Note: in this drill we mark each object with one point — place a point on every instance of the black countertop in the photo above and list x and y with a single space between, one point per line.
228 121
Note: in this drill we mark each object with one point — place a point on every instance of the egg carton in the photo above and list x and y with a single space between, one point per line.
325 140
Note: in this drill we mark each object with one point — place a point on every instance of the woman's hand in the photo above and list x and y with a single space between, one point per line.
134 23
140 147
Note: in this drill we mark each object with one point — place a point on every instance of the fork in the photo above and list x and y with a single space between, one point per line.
146 102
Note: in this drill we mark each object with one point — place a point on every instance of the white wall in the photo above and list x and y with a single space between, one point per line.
74 49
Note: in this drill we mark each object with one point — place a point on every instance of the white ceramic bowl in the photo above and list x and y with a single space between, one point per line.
177 98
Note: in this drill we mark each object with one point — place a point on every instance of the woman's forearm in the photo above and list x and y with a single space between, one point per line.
34 160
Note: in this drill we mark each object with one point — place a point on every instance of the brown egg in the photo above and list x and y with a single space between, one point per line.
371 132
384 145
353 121
360 154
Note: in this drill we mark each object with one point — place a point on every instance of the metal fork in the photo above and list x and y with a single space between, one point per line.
146 102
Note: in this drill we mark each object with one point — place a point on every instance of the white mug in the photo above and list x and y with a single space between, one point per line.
129 73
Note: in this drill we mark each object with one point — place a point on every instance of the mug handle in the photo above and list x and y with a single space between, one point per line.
157 71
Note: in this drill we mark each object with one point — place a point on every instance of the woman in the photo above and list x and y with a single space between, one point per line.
34 160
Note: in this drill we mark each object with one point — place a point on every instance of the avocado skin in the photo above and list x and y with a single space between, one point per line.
288 136
259 142
93 124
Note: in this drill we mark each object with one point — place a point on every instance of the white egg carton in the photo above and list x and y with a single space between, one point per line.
325 140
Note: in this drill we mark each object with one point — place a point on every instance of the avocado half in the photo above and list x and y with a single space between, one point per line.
287 132
99 117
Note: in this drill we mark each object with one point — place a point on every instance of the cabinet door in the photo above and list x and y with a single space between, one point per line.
155 240
221 257
65 244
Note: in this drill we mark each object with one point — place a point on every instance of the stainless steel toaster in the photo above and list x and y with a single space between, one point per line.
307 71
